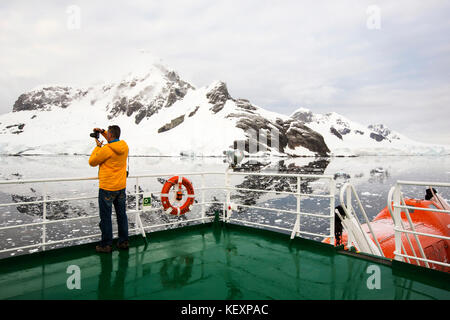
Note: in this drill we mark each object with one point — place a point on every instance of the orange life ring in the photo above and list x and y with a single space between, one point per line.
178 182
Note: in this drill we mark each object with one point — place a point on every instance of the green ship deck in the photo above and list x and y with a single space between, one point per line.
216 261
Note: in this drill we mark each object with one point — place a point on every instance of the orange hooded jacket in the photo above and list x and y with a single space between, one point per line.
112 159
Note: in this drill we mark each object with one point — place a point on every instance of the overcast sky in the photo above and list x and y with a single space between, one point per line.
371 61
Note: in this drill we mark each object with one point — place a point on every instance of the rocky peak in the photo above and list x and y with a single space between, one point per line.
303 115
383 131
47 98
218 95
145 96
138 94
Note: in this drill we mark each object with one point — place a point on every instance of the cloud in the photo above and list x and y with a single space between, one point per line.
280 55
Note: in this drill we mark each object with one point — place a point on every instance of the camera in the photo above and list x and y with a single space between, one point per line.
95 135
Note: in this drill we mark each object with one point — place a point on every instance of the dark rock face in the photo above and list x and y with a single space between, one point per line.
344 131
383 131
47 98
335 132
301 135
14 128
175 122
343 127
291 134
377 137
218 96
245 104
140 115
124 106
194 112
174 95
256 123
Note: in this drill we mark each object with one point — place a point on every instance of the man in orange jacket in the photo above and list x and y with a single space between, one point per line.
112 175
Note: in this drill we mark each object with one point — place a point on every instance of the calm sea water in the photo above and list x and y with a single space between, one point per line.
372 177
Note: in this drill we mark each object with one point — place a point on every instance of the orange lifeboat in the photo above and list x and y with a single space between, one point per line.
429 222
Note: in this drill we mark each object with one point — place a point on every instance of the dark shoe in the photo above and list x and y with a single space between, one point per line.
103 249
123 245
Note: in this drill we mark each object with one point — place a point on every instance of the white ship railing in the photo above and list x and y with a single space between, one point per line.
296 230
357 236
228 206
396 203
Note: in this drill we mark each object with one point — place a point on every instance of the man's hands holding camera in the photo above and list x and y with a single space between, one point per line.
96 136
99 130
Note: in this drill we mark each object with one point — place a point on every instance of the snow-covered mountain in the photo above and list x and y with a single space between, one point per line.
161 114
347 138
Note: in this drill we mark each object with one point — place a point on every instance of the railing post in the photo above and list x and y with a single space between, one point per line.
397 222
296 228
411 225
228 201
139 223
298 203
389 205
44 216
203 197
332 205
361 208
136 189
349 207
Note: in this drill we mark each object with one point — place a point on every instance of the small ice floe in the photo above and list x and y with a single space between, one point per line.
369 194
377 170
341 175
